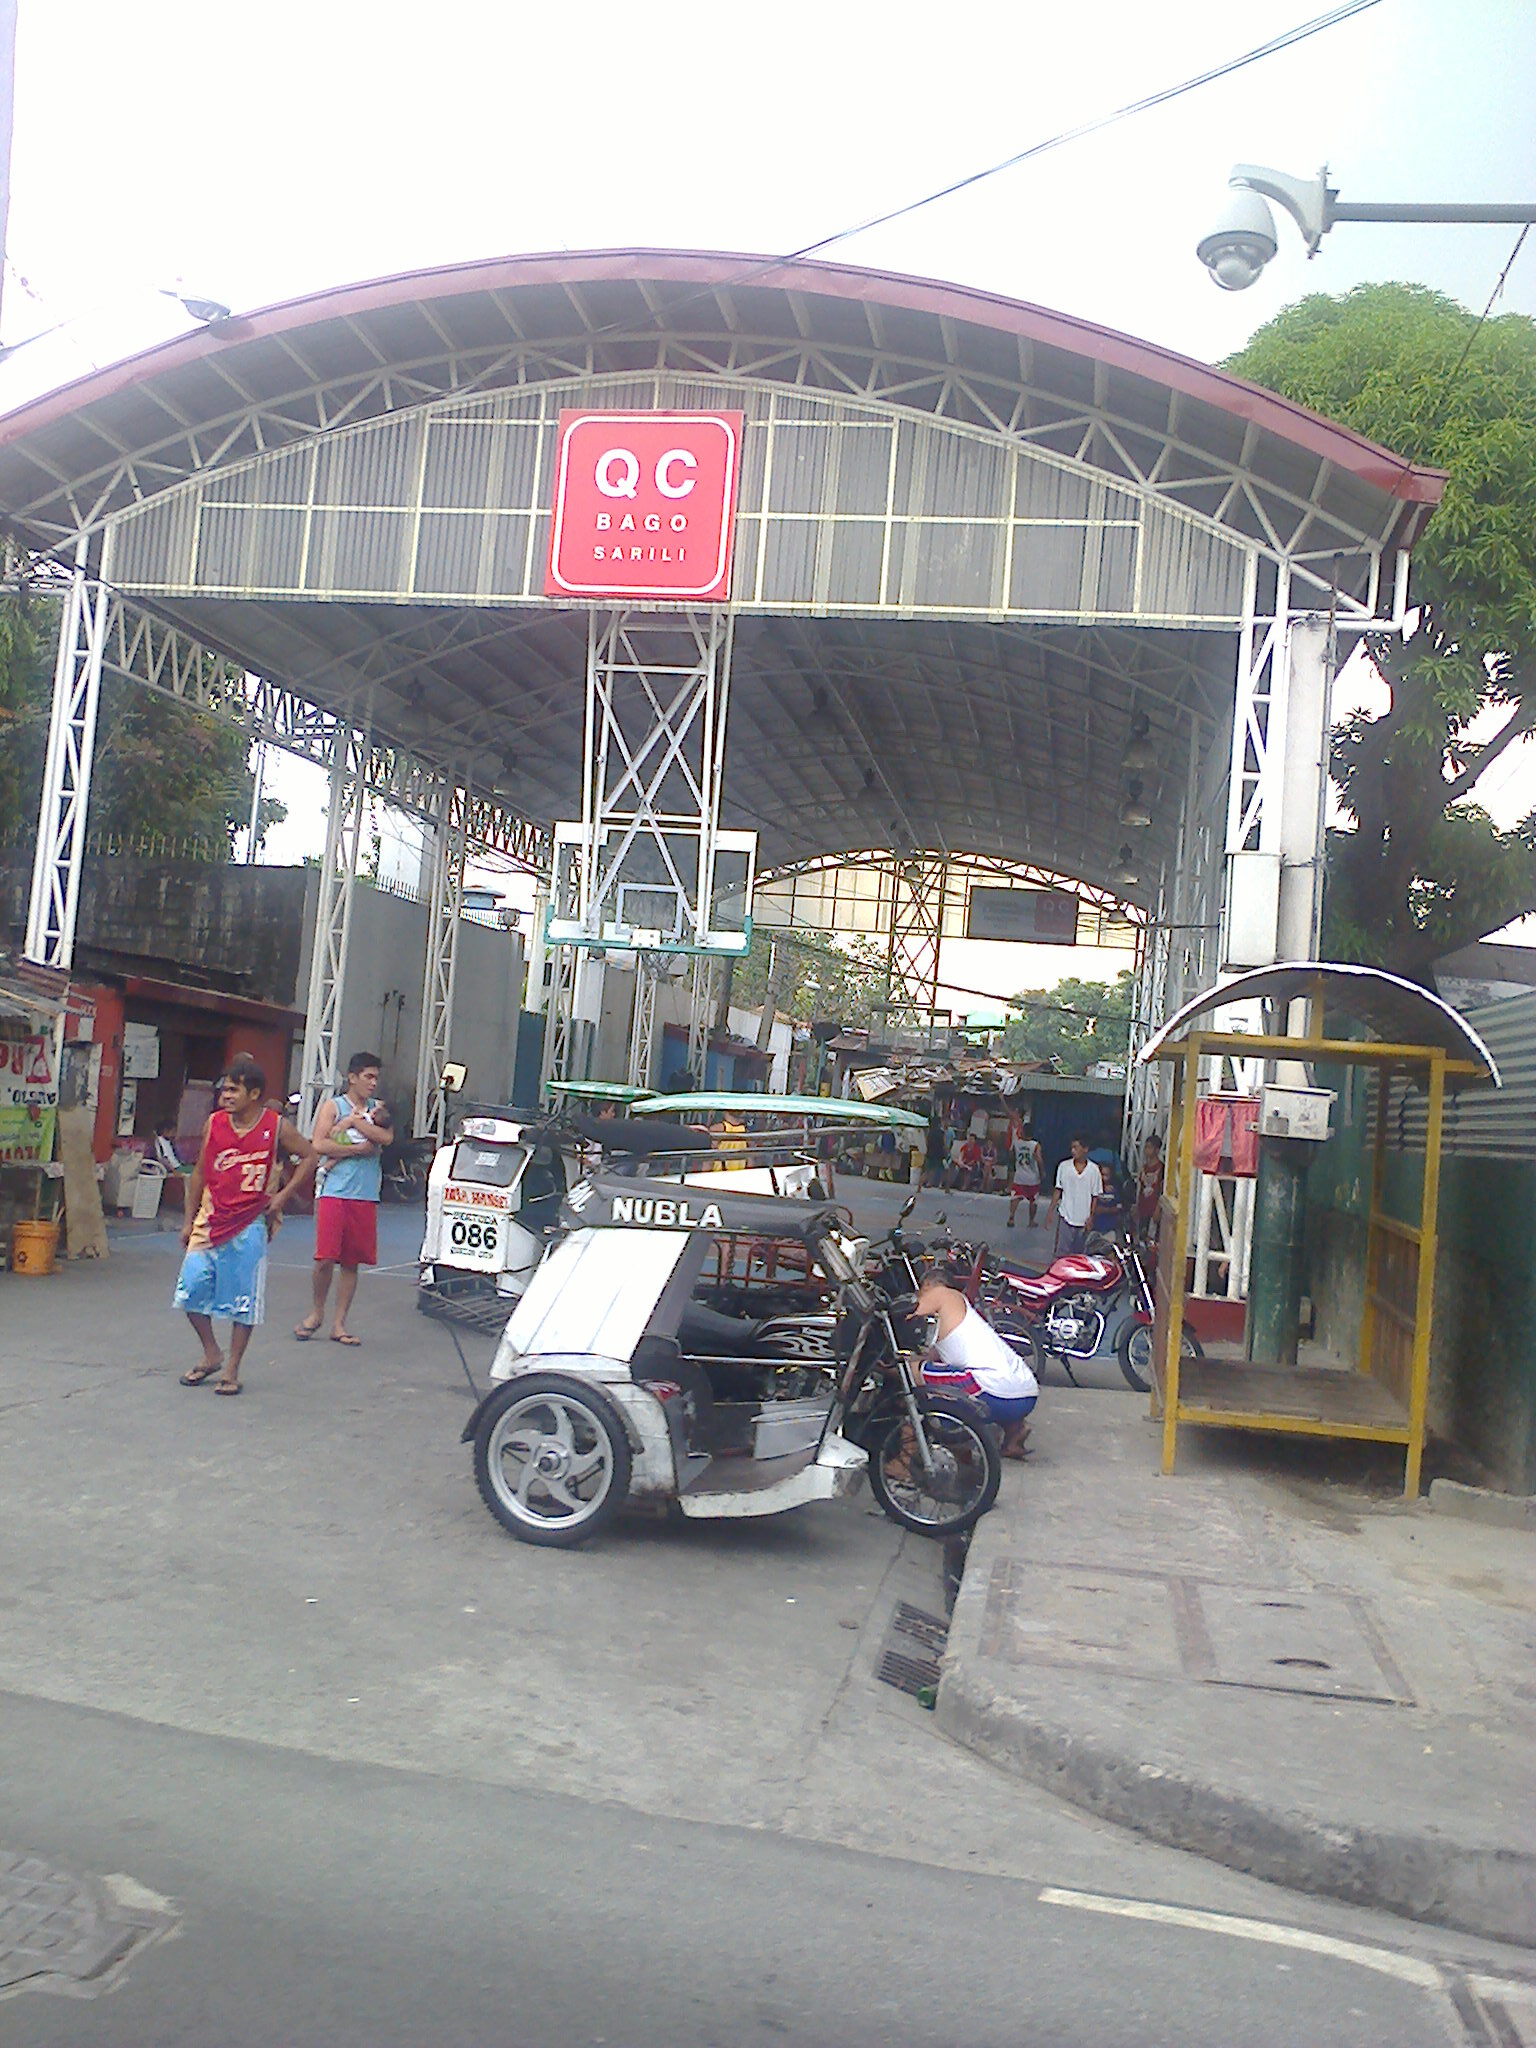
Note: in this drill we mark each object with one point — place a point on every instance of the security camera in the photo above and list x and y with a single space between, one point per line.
1242 241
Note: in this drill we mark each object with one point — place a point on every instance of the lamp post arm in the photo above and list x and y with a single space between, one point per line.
1460 216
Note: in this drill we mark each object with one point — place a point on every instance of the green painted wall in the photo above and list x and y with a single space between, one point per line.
1482 1373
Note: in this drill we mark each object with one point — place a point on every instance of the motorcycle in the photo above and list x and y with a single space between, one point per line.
1084 1305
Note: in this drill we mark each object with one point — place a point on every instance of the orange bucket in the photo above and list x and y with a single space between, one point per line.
33 1246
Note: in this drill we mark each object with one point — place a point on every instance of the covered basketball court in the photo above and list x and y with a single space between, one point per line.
1007 589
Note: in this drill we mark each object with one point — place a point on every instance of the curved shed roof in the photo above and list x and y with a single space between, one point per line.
1395 1011
175 396
866 712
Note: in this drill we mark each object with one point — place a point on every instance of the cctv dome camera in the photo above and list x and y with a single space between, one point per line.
1242 241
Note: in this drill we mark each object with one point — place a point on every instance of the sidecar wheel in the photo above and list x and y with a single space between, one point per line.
551 1460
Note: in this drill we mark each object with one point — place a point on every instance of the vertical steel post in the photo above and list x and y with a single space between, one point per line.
1184 1161
333 919
445 900
63 811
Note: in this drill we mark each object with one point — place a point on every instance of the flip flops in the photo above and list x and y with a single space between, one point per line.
201 1374
346 1338
228 1387
304 1331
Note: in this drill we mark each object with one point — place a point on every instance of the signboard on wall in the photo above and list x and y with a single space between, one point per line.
645 506
29 1097
1039 917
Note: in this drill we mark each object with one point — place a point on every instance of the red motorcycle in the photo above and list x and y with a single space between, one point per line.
1084 1305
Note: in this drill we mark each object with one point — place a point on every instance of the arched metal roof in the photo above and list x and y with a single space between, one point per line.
1395 1011
963 693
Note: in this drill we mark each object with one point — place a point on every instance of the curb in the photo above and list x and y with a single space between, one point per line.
1491 1893
1482 1504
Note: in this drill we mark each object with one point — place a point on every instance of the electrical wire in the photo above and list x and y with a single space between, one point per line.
1301 33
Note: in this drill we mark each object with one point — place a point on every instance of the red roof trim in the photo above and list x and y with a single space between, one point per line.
1392 474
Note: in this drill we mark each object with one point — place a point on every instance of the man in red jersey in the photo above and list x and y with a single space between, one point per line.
232 1210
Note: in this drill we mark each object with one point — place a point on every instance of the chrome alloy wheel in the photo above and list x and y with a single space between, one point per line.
550 1461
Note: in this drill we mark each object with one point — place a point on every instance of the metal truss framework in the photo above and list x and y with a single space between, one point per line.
139 646
1258 730
651 969
1090 425
333 923
658 685
62 821
446 847
919 886
854 895
703 1003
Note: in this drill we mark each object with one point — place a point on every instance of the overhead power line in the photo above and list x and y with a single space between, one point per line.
1300 34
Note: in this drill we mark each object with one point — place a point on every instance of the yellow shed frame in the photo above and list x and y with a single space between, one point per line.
1385 1398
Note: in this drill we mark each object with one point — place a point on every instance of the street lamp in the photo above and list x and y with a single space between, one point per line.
1244 239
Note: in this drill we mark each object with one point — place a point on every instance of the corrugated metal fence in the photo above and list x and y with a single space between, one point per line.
1483 1123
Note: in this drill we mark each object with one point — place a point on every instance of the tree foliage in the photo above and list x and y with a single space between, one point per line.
1077 1023
1425 870
161 769
813 977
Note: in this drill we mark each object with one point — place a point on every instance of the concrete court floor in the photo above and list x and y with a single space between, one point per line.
404 1779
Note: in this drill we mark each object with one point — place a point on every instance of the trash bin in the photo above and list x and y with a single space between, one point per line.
147 1190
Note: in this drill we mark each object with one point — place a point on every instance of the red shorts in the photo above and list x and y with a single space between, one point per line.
346 1232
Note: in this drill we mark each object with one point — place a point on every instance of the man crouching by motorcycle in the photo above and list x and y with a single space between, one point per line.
973 1359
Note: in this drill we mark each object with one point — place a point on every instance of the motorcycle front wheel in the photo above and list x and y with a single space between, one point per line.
967 1468
1133 1348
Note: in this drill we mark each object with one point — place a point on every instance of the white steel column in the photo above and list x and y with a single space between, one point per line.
560 1016
445 901
61 827
657 693
1256 788
650 972
918 886
333 919
704 997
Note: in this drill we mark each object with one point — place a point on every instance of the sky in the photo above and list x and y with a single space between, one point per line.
254 152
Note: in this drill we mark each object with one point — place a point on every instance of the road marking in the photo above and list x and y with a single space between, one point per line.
1385 1961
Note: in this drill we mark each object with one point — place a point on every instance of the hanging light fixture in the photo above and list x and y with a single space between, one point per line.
1140 754
1135 810
1124 874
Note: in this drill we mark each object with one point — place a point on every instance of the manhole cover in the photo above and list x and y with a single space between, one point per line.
59 1932
1326 1644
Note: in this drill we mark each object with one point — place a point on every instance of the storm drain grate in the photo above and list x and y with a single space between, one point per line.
918 1676
927 1629
910 1661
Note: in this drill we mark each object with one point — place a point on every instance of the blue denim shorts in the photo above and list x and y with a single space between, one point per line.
228 1280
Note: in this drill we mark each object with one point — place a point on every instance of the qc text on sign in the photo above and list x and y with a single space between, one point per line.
645 504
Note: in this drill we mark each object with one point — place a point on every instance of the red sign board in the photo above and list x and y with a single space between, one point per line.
645 505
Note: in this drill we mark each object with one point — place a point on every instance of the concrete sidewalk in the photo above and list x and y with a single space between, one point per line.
1267 1659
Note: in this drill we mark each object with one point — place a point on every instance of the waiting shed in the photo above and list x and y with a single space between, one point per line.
1310 1012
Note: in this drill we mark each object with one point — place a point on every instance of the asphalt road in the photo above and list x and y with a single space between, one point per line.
399 1779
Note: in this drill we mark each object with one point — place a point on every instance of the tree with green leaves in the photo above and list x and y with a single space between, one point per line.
162 770
1077 1023
813 977
1425 870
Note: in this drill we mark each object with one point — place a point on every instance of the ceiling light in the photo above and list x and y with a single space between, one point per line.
1140 752
1135 810
1124 874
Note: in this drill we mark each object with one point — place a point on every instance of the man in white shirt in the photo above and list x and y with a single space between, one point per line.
971 1358
1079 1185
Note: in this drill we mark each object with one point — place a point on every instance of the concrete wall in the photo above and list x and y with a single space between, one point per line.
1482 1370
240 928
247 931
381 1011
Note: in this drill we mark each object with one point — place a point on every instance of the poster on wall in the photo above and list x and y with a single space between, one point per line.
29 1098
